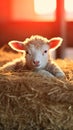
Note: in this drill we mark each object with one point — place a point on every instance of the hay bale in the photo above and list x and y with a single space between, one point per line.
29 101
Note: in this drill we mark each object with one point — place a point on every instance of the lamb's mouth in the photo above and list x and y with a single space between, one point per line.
37 66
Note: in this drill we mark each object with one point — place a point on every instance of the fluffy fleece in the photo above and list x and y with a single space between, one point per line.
37 56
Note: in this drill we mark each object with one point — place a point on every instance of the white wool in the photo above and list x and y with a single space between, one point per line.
37 56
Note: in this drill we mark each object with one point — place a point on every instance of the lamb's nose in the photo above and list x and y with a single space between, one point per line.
36 62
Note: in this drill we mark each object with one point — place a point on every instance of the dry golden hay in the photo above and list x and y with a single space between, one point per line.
29 101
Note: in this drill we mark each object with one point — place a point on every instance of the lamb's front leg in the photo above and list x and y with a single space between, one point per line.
45 73
56 70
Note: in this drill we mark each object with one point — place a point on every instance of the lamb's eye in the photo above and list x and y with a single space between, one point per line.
45 51
28 53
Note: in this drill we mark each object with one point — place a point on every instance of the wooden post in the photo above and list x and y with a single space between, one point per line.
61 27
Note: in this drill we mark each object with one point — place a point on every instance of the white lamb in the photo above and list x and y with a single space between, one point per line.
37 57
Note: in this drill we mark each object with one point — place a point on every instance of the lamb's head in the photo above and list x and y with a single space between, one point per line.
36 48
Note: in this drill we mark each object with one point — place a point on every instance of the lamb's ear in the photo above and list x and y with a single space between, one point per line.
17 45
54 43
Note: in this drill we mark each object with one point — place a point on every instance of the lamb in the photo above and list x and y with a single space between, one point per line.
37 56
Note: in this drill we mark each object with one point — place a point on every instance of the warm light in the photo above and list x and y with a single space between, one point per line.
68 5
43 7
22 10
